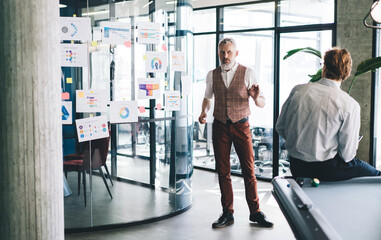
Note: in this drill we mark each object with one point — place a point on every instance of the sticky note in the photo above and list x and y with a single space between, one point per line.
164 47
81 94
145 57
69 80
127 44
94 43
158 106
65 96
142 109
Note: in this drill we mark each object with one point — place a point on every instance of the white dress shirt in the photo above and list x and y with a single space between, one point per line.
319 120
227 76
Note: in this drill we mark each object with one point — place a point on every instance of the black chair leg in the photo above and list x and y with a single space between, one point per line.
104 180
84 185
79 182
108 174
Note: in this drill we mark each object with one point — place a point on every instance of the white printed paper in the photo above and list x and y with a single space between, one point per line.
92 128
116 32
149 88
67 111
148 32
172 100
123 111
156 62
186 85
91 100
75 28
178 62
73 55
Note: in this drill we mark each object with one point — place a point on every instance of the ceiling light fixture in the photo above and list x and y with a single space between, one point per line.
147 4
95 13
375 14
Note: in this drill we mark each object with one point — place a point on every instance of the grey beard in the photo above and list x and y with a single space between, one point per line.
227 67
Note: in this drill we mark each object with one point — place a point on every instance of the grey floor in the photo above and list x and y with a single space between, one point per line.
196 222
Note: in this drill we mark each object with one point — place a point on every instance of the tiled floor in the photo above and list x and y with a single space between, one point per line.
196 223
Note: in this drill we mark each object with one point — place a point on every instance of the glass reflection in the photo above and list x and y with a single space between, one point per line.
151 170
305 12
250 16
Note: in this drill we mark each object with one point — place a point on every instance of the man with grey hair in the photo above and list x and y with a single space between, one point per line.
232 85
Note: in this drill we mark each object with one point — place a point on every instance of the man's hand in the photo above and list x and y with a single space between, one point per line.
254 91
206 103
202 118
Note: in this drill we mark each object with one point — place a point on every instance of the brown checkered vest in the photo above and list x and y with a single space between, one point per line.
232 102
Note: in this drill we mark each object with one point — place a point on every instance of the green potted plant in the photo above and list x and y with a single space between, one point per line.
368 65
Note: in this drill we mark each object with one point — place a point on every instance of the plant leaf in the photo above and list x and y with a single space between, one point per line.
310 50
368 65
316 77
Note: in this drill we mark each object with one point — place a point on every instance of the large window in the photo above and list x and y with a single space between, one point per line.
263 38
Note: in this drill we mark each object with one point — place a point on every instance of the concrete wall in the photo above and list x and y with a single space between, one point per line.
31 178
354 36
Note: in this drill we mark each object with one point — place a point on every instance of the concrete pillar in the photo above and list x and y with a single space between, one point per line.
354 36
31 205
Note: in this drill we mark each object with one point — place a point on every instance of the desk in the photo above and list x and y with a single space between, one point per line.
334 210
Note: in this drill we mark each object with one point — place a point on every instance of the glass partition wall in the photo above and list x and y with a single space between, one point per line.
264 32
139 61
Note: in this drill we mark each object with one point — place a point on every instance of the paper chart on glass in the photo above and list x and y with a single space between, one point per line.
156 62
123 111
172 100
91 100
75 28
67 110
177 61
73 55
116 32
148 32
186 85
149 88
91 128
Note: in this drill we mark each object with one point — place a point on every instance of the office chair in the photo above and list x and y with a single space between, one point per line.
80 162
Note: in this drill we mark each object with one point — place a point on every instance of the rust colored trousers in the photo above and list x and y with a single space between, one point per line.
239 134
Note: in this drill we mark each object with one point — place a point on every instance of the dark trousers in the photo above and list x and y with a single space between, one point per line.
335 169
239 134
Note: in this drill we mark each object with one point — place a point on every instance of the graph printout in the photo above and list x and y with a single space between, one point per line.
91 101
75 28
177 61
156 62
172 100
91 128
73 55
148 32
67 111
123 111
149 88
116 32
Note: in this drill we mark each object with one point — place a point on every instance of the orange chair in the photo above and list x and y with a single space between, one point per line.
80 162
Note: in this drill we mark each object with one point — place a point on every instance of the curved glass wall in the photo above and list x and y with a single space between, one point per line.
139 61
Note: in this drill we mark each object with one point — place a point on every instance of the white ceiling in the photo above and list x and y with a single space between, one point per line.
209 3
